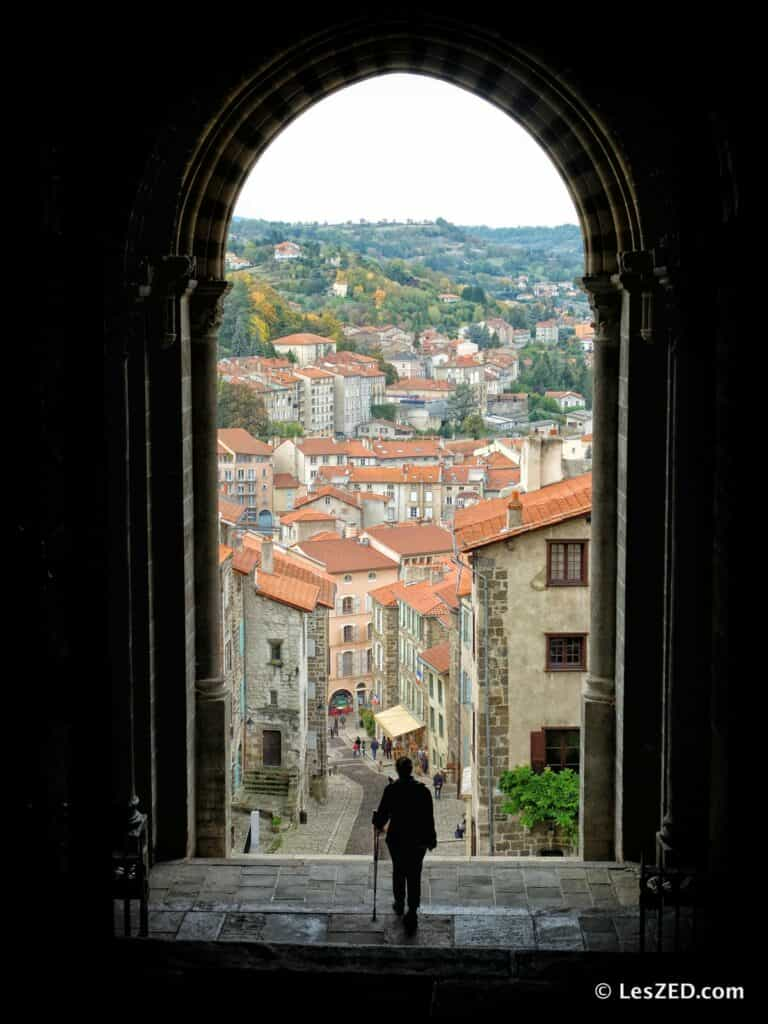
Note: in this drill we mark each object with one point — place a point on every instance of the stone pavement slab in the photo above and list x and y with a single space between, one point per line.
200 927
493 930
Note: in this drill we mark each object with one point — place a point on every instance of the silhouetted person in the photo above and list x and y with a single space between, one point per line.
407 806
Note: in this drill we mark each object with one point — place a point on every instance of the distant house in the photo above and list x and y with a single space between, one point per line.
340 288
448 297
566 399
287 251
233 262
547 331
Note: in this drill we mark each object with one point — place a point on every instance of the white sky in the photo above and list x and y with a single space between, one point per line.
406 146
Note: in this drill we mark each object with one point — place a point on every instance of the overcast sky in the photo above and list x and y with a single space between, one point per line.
406 146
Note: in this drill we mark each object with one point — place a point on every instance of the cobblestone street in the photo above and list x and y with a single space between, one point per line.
342 825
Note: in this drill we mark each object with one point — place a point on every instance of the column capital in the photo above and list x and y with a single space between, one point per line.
206 309
604 293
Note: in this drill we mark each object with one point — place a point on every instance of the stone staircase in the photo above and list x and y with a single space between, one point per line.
267 782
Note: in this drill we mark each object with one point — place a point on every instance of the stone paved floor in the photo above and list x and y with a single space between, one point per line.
478 903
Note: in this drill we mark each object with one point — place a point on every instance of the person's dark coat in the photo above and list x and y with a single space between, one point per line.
407 806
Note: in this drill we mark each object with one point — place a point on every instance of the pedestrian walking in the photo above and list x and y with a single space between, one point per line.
424 763
362 748
407 806
374 748
437 781
356 748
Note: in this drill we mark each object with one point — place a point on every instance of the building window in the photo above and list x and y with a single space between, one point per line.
227 656
273 698
327 499
346 663
432 719
346 606
275 652
349 634
347 579
371 575
370 631
441 726
561 749
413 513
431 685
439 691
566 652
566 563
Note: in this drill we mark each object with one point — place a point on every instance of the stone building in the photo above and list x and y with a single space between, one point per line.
307 348
527 660
286 603
233 658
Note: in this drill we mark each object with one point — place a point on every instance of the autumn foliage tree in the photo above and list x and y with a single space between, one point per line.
240 406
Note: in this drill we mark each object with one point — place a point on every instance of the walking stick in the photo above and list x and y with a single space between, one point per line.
375 867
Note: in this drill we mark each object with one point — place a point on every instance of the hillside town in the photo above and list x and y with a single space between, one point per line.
379 579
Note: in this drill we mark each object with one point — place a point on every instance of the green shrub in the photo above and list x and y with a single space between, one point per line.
550 798
369 722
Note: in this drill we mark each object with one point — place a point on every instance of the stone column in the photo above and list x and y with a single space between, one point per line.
687 655
122 331
640 557
172 545
212 699
598 729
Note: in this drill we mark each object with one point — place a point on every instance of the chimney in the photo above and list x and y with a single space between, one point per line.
514 511
267 561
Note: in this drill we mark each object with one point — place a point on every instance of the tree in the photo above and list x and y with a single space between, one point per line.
291 357
384 412
461 403
240 406
474 425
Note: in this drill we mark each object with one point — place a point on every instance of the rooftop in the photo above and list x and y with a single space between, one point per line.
303 339
346 555
439 657
412 539
241 442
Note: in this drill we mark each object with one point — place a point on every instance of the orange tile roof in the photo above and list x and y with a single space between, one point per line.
422 384
306 516
545 507
458 474
224 553
313 372
484 519
322 446
328 491
459 585
326 535
412 538
303 339
399 449
384 595
286 563
465 446
240 441
284 480
438 657
372 496
499 461
420 596
292 592
357 449
499 478
346 555
230 511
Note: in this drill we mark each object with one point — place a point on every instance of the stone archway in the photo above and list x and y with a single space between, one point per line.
200 173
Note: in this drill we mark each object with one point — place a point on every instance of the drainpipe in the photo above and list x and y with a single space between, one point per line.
487 563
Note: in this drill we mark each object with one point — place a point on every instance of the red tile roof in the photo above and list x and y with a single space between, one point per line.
401 449
334 492
346 555
241 442
438 657
322 446
313 372
224 553
326 535
286 563
284 481
230 511
384 595
412 538
292 592
303 339
545 507
306 516
497 479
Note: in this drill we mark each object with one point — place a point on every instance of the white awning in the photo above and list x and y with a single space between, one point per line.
398 721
